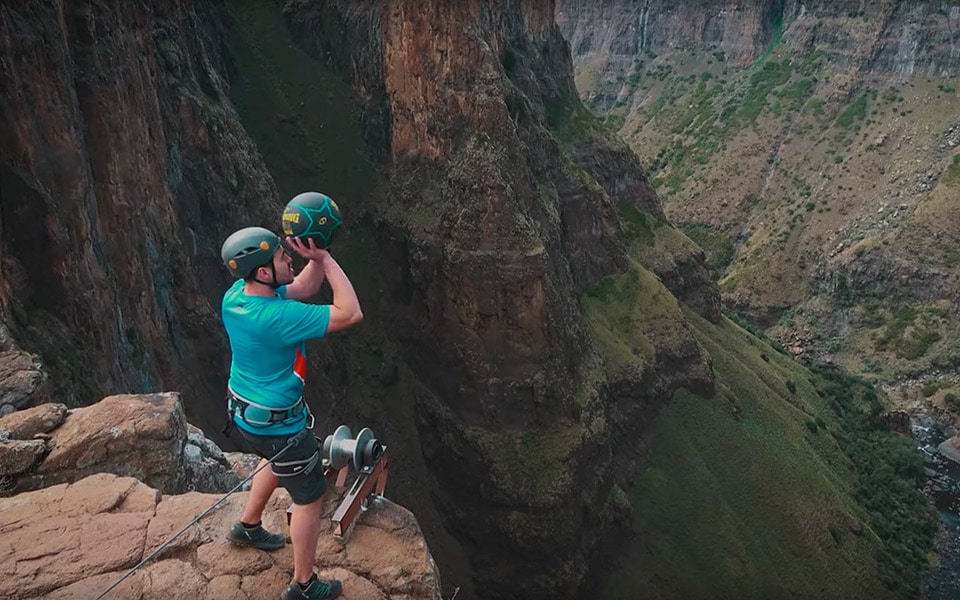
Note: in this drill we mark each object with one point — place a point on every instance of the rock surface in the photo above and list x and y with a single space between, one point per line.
950 448
123 166
143 436
27 423
21 376
507 204
76 540
893 37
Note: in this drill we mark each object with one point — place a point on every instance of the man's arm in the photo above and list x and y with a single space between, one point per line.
345 309
307 283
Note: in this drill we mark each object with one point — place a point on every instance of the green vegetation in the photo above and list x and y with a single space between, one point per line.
715 112
569 120
857 111
763 81
639 226
773 489
796 93
531 463
930 388
911 331
889 468
952 175
718 246
626 314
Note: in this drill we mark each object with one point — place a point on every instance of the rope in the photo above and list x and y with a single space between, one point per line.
196 519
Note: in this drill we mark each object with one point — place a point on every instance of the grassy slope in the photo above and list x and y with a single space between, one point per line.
759 507
764 505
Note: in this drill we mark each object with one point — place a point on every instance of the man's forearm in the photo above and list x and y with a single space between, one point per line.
344 296
311 278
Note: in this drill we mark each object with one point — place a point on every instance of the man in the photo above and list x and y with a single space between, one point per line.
268 326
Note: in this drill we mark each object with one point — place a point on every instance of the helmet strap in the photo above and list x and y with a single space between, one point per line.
273 275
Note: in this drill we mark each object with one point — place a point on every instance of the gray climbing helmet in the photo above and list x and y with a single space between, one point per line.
247 249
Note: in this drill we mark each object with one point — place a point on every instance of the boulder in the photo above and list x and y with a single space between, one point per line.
897 421
77 540
950 449
242 464
141 436
21 376
25 424
17 456
207 468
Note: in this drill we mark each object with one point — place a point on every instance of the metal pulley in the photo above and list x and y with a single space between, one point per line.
340 449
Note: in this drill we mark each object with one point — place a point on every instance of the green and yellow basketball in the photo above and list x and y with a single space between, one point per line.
312 215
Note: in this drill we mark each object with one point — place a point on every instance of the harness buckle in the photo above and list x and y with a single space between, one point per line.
310 420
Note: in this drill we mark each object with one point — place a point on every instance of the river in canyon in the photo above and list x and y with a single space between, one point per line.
942 484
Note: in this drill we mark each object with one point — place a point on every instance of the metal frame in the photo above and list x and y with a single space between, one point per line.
371 482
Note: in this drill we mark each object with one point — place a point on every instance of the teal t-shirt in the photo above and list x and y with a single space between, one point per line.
267 344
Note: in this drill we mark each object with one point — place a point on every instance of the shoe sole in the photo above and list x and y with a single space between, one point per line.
255 545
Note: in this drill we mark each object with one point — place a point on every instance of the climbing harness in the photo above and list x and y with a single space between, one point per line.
237 405
290 443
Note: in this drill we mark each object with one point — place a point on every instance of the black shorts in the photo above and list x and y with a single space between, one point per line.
303 488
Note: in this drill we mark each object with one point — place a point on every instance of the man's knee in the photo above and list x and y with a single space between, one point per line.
308 514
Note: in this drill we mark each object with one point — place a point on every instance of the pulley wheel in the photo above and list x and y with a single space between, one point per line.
333 448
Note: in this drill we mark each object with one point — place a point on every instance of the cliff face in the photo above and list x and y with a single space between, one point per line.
625 28
896 37
122 167
506 209
893 37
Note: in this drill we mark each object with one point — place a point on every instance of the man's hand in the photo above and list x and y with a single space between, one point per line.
307 249
307 283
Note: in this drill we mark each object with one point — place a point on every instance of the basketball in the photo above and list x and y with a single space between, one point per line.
312 215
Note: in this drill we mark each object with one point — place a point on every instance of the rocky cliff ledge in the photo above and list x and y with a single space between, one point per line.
77 538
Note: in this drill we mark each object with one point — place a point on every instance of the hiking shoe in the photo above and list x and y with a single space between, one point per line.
317 589
257 537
